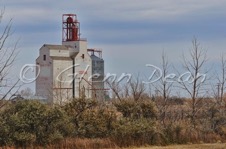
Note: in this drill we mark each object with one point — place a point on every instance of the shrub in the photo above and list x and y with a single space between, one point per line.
136 109
30 122
96 123
128 132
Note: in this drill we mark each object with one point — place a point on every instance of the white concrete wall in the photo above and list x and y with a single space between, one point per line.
44 79
55 73
83 70
62 80
59 53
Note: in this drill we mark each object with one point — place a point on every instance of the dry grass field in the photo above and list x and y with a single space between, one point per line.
191 146
195 146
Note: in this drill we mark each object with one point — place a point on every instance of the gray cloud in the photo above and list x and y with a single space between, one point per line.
123 27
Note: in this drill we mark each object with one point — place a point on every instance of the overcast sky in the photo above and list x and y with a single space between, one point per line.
131 33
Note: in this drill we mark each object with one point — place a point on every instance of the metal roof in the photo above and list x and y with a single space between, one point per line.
94 57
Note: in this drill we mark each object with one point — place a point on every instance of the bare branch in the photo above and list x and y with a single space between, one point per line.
8 56
194 66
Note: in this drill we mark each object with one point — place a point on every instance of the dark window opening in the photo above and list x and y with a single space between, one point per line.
83 56
44 57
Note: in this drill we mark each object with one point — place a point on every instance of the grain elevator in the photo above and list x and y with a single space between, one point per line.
70 70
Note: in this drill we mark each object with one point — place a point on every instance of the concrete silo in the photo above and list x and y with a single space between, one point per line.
70 70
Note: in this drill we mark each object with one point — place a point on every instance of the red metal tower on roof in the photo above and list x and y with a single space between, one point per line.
70 27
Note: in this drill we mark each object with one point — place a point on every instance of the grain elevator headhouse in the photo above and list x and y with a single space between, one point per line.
67 71
71 30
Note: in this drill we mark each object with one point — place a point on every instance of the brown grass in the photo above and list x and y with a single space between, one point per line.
76 144
85 144
107 144
194 146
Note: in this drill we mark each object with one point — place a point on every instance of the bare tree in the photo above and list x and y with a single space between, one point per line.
195 83
137 88
218 88
133 88
164 87
115 88
8 55
221 81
